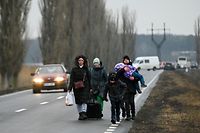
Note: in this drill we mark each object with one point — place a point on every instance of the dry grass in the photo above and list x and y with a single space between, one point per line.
173 105
24 79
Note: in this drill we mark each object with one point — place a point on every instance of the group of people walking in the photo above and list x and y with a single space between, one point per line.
120 88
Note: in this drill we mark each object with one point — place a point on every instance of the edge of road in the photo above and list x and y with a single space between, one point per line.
141 98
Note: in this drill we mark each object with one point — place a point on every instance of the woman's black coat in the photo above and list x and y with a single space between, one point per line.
81 94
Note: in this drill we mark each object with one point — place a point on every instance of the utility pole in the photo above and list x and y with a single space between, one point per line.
160 43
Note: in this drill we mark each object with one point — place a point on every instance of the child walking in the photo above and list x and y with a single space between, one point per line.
116 89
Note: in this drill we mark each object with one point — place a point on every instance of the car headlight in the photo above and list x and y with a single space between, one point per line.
38 80
59 79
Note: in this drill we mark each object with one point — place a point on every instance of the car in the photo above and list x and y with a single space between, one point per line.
169 66
49 77
194 65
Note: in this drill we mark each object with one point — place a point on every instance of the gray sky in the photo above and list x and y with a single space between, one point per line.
179 15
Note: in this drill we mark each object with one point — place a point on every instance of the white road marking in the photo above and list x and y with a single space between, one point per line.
20 110
110 130
43 103
112 127
60 97
154 78
107 132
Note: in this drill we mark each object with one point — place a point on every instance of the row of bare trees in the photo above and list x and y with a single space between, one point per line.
70 28
197 39
13 16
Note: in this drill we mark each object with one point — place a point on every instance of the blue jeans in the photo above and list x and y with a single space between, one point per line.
139 76
81 107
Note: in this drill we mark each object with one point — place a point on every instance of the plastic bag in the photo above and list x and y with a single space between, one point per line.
69 99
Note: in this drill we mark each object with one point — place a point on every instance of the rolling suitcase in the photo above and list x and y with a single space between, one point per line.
94 109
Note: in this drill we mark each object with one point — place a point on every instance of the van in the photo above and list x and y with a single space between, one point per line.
147 62
183 62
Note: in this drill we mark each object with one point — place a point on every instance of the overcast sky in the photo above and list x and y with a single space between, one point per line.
179 15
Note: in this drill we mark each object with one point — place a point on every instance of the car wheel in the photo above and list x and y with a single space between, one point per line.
36 91
154 68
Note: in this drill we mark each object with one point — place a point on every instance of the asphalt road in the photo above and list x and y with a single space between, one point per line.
24 112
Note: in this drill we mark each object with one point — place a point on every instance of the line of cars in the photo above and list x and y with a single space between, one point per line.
50 77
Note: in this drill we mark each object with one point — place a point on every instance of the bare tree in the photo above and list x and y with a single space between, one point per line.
128 32
52 38
13 18
77 27
197 39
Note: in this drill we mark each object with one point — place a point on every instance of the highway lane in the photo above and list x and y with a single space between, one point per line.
46 113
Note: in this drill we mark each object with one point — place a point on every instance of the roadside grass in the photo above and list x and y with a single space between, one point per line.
24 80
173 105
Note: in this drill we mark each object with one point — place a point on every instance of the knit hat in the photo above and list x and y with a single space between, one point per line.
112 76
96 61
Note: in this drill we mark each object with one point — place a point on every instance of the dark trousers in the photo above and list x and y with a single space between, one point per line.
129 104
122 106
115 110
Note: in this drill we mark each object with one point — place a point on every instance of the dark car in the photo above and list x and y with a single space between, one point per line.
194 65
169 66
49 77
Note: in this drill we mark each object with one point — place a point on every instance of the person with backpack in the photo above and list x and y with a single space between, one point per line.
98 80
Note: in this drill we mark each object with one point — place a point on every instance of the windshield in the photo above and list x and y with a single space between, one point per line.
136 61
50 69
182 59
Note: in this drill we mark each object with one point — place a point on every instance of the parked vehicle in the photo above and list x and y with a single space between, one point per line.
183 62
49 77
147 62
169 66
194 65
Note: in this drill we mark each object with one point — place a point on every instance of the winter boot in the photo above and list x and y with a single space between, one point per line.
84 115
81 117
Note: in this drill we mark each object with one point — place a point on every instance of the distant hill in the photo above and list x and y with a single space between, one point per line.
171 48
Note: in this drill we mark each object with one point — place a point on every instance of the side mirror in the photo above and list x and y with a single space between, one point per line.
32 74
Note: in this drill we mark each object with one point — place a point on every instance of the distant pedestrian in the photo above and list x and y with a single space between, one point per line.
80 74
116 89
98 80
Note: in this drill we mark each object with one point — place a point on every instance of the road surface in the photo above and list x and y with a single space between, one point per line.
24 112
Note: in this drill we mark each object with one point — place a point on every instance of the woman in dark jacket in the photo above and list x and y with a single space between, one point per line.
98 80
80 73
